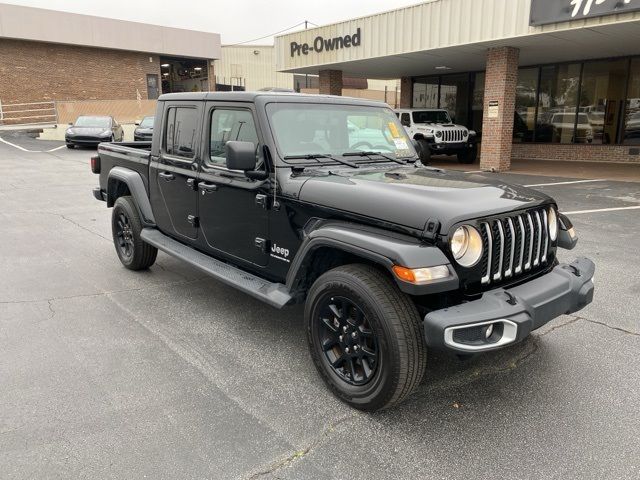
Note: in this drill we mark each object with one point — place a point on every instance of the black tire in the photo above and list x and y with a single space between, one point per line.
126 226
424 151
468 156
70 146
387 324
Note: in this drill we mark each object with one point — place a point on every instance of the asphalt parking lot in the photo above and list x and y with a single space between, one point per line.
108 373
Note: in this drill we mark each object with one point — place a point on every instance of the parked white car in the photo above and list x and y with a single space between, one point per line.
436 134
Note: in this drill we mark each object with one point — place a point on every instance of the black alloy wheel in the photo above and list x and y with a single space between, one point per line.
349 343
124 235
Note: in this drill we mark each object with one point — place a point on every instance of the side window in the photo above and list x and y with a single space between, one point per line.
405 120
180 131
226 125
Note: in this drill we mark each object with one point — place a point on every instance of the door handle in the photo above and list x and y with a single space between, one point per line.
168 176
207 187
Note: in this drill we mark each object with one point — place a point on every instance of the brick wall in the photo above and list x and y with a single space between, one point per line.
35 71
406 92
330 82
579 153
500 86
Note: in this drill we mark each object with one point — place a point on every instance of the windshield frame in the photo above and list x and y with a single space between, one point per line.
323 157
426 110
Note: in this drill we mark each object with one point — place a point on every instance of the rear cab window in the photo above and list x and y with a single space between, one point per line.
181 132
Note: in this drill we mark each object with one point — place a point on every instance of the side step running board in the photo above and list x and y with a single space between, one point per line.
275 294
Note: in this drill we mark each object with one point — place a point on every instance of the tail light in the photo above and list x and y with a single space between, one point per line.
95 164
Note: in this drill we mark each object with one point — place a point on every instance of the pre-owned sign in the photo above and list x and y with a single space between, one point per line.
321 44
554 11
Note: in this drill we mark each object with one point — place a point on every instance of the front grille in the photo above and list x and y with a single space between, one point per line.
514 245
453 135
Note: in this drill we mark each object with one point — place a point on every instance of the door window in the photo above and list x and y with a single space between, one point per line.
180 131
405 120
226 125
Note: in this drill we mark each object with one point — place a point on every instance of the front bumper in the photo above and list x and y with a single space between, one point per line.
513 312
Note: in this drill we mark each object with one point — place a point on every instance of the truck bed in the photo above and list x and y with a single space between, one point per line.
132 155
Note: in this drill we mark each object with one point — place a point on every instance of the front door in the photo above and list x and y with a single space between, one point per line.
233 208
174 173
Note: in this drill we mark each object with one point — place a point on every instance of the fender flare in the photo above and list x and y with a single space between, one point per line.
376 245
134 181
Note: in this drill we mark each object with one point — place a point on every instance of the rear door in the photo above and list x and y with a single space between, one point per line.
174 172
233 208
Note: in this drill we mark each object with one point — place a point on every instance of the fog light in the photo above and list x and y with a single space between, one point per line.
488 331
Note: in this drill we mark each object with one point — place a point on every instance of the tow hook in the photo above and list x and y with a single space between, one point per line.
573 270
511 300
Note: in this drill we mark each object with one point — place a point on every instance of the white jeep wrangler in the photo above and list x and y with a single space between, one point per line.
437 134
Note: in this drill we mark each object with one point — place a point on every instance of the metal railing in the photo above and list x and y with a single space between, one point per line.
27 114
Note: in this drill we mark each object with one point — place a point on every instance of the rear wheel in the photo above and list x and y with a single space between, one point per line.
424 151
70 146
365 337
126 226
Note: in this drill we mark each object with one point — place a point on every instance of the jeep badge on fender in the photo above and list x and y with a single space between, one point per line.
323 201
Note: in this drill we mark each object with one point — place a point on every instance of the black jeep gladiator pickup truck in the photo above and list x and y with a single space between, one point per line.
317 199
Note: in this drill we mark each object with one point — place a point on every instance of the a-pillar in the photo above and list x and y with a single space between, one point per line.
331 82
499 107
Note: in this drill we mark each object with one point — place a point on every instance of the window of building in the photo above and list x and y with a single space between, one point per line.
558 96
602 98
631 130
226 125
477 103
425 92
524 120
180 131
454 97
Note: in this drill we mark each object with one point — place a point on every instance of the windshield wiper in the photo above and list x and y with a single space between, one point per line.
369 154
315 156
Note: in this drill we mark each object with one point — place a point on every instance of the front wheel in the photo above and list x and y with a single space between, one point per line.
365 337
468 156
126 226
425 151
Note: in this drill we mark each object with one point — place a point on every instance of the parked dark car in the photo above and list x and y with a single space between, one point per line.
144 130
90 130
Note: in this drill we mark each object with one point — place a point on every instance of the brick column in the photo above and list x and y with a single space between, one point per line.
497 120
406 92
331 82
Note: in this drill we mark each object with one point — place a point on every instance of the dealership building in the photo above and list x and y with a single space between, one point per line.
55 65
537 79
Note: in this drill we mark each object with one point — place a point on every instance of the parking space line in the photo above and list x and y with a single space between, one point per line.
578 212
566 183
474 171
30 151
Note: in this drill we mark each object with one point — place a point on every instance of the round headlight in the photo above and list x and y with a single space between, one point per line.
466 245
438 134
553 224
465 133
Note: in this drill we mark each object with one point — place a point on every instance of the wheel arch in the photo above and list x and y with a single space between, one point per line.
334 244
123 181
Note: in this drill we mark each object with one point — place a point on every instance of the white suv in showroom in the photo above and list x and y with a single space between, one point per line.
436 134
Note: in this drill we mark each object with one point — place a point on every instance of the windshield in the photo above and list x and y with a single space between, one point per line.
434 116
96 122
147 122
302 129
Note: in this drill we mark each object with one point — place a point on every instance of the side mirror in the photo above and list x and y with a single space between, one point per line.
240 155
137 124
71 124
416 145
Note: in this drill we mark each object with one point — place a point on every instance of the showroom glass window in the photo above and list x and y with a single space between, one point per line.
477 103
425 92
524 121
557 101
602 98
181 130
454 97
631 129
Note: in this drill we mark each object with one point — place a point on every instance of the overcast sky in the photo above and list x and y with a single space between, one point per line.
236 20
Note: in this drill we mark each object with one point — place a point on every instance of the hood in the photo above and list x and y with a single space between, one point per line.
410 196
144 130
92 131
